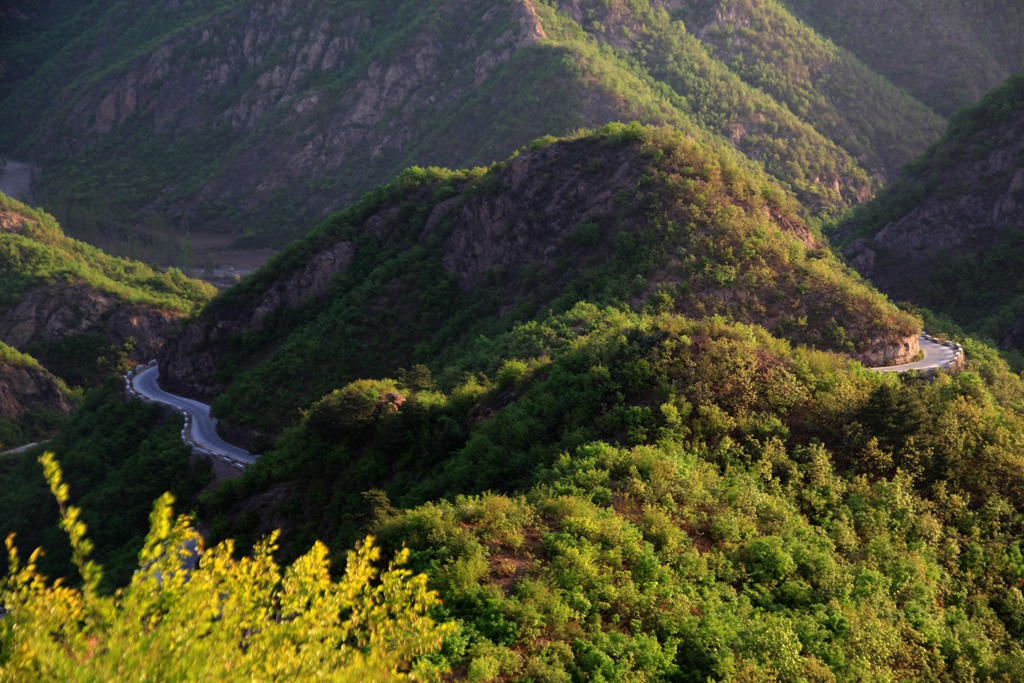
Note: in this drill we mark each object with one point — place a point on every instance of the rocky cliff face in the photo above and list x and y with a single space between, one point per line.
888 351
274 65
28 389
69 302
54 312
970 207
189 364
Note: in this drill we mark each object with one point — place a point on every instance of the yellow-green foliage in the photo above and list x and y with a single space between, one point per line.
224 620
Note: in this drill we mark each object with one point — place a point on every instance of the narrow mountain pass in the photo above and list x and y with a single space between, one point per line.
200 427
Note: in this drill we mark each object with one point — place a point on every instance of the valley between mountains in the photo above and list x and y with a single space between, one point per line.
583 340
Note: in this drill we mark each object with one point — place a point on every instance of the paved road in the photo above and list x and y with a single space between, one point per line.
22 449
199 425
936 355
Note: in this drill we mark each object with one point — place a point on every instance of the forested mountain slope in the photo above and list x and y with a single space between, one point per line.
644 497
947 53
640 495
605 394
70 315
265 114
598 486
415 271
948 234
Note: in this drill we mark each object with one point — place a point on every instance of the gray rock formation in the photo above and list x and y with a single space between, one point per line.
23 389
55 312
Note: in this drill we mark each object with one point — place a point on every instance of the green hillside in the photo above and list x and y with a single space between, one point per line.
339 97
602 410
692 500
69 309
627 464
632 495
741 65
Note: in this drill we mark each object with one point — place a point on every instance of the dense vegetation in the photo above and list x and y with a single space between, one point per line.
632 495
627 496
344 95
964 199
770 49
812 114
455 255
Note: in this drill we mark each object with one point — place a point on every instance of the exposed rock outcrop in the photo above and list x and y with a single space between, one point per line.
263 62
963 198
887 351
23 389
312 281
54 312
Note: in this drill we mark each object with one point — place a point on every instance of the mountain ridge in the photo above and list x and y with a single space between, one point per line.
628 215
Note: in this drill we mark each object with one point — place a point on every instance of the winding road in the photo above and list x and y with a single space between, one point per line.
200 427
200 430
936 355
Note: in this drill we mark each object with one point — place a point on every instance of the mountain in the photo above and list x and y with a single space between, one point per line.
947 235
576 394
599 403
77 310
947 53
416 271
553 382
265 115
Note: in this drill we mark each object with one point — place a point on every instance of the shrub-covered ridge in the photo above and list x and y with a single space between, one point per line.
416 270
